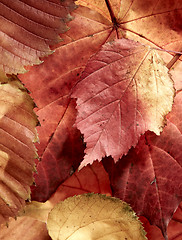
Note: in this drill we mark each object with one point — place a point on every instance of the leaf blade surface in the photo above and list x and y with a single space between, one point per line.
156 164
17 151
28 28
94 216
121 94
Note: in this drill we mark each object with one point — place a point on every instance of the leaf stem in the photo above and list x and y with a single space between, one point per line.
113 18
174 60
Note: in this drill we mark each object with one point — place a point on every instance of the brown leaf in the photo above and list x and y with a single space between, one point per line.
63 151
92 178
28 28
25 228
17 151
50 85
149 177
153 22
93 216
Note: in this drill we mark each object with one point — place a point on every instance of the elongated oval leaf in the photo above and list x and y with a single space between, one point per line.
124 91
93 216
156 163
28 28
17 151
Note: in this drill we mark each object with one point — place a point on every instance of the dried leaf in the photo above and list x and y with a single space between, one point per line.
28 28
93 216
174 229
25 228
50 85
90 179
157 22
156 163
153 22
61 155
124 91
17 151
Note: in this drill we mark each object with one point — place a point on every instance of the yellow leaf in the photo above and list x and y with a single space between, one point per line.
17 151
94 216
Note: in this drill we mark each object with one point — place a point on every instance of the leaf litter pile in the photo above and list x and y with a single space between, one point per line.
104 80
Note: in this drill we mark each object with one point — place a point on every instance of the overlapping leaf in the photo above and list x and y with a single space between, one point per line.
89 31
93 216
25 228
174 229
175 225
62 154
156 163
28 28
97 33
91 179
17 151
156 23
50 85
124 91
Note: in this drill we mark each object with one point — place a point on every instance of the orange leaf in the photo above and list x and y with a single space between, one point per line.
90 179
28 28
25 228
50 85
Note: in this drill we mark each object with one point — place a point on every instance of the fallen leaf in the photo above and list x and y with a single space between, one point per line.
62 154
17 151
153 232
175 225
25 228
50 85
92 178
174 229
153 22
27 30
94 216
124 91
156 163
157 22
